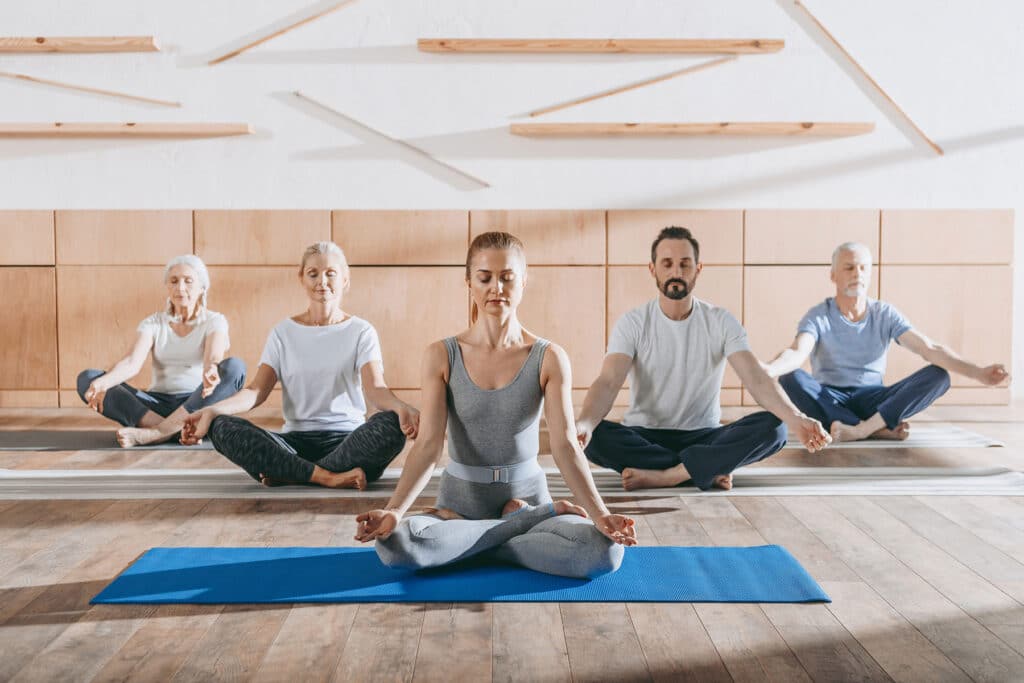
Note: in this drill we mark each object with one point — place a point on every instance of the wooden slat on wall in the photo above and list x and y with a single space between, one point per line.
420 238
27 238
28 354
258 237
632 286
719 233
122 237
575 322
99 309
947 236
964 307
806 236
550 237
409 312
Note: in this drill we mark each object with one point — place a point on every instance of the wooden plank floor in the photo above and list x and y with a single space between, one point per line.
927 588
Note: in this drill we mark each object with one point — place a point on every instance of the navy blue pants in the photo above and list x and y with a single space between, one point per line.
126 404
853 405
705 453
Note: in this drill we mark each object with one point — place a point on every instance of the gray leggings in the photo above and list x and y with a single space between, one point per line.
566 545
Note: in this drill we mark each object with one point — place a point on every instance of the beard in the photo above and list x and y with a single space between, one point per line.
855 290
675 288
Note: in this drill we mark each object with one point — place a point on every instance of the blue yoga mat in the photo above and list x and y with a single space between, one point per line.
286 575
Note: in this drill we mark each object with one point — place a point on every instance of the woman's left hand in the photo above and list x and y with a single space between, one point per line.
409 419
211 378
619 528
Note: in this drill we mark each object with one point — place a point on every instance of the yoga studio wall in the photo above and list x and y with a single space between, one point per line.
362 62
87 277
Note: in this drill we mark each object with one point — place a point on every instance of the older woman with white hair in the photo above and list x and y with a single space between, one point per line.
188 342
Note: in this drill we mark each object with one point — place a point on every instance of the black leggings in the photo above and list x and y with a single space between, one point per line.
291 456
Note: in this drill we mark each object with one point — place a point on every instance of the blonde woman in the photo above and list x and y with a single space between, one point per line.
188 342
488 386
325 359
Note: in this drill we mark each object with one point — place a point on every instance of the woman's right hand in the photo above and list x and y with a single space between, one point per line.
195 427
96 392
376 524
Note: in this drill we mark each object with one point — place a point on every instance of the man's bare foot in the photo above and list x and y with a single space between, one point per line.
844 432
900 433
634 478
513 505
127 437
444 513
355 478
722 481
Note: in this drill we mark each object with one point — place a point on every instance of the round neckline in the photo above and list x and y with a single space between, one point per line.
335 326
693 311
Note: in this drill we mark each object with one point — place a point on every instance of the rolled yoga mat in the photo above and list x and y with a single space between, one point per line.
295 575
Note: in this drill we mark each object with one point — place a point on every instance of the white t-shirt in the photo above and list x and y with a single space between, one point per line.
676 378
178 361
319 372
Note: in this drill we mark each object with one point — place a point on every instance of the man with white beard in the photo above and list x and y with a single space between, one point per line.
847 337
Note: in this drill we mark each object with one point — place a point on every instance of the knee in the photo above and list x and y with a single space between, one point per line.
219 428
603 556
396 551
85 378
232 370
392 425
792 381
937 377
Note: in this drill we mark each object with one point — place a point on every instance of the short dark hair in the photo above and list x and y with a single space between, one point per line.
675 233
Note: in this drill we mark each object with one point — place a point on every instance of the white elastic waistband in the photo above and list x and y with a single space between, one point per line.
495 474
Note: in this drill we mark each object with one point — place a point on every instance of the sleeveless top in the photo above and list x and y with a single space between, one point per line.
494 427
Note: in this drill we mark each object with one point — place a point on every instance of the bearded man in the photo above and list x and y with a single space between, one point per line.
674 350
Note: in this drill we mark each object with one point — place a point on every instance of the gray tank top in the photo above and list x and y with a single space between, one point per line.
494 426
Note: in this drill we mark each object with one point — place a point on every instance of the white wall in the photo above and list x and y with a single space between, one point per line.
955 67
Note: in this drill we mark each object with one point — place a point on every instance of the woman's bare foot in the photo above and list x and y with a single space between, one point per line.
513 505
564 507
844 432
127 437
443 513
722 481
634 478
900 433
354 478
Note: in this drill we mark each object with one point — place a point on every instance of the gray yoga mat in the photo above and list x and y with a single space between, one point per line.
78 440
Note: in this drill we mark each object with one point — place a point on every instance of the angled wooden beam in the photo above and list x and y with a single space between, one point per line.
79 44
853 62
130 129
606 45
401 143
286 29
723 128
83 88
634 86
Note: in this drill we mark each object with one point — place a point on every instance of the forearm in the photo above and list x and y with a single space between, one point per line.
122 371
213 351
384 399
770 396
949 360
785 363
597 403
244 400
419 465
574 468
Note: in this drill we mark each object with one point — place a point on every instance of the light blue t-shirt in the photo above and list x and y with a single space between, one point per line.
851 354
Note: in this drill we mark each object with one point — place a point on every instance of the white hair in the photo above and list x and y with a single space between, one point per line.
849 246
202 275
327 248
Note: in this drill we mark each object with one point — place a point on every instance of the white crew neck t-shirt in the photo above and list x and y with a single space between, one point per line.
178 361
318 368
676 377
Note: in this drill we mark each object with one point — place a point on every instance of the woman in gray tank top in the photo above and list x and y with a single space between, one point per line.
488 386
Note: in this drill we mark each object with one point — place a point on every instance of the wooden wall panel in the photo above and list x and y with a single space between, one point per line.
719 233
632 286
258 237
402 237
566 306
99 309
27 238
28 399
28 354
947 236
122 237
551 237
806 236
968 308
409 312
775 298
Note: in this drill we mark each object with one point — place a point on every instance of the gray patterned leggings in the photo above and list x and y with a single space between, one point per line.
290 456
